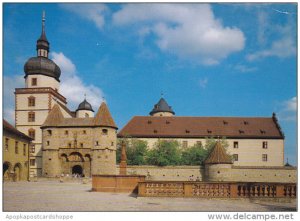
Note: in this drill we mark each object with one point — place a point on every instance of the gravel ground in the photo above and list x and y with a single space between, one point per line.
50 196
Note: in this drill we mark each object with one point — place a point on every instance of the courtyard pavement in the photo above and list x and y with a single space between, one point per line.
50 196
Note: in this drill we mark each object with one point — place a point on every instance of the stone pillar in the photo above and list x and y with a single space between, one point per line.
123 163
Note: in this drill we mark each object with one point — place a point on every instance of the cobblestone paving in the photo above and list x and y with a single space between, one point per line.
47 196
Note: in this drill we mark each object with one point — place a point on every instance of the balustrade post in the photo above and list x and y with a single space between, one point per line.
188 190
142 189
233 190
279 191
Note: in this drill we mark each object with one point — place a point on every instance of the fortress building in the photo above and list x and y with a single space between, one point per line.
253 141
64 141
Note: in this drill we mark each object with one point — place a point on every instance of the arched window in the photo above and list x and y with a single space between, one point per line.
31 116
31 101
31 133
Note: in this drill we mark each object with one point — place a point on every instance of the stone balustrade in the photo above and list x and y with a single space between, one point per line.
216 189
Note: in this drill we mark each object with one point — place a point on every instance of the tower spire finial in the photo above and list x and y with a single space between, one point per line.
43 22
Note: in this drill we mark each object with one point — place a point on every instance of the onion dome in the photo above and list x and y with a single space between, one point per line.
162 106
84 105
42 65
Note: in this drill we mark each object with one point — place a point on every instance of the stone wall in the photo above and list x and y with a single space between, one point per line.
216 173
178 173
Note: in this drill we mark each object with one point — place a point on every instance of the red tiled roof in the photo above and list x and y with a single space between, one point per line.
218 155
56 119
8 127
193 127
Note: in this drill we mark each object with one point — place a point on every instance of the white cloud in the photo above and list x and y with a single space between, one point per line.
203 82
187 30
72 87
92 12
244 68
9 85
284 44
288 110
282 48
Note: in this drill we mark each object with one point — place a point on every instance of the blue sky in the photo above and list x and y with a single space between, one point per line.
207 59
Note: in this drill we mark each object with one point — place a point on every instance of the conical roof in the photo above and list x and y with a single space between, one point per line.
84 105
103 117
162 106
54 118
218 155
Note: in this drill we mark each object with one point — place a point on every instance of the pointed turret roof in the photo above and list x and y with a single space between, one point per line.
103 117
162 106
218 155
55 117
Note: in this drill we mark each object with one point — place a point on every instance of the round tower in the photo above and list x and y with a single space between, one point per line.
162 109
218 164
105 136
84 109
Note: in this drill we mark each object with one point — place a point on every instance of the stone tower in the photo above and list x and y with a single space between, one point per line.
36 99
218 164
162 109
104 154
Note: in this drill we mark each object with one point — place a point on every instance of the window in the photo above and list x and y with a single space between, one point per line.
32 162
235 144
265 144
104 131
33 81
112 143
49 132
31 133
6 144
69 144
184 144
24 149
81 145
97 143
84 132
31 117
235 157
48 142
16 147
32 148
66 132
31 101
265 157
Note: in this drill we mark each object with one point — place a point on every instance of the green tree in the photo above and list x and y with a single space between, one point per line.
194 155
164 153
136 151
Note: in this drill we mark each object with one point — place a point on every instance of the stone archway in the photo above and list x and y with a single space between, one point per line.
77 169
17 172
6 171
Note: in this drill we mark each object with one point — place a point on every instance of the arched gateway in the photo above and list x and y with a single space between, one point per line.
77 169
